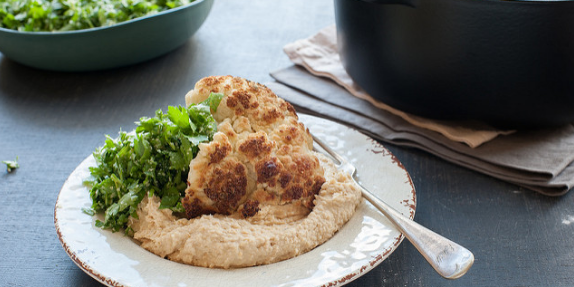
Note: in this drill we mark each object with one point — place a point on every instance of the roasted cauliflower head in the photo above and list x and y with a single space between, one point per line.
261 154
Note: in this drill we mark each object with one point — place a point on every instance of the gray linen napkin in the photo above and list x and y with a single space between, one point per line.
540 160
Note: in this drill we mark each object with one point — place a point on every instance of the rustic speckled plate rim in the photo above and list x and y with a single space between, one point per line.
98 252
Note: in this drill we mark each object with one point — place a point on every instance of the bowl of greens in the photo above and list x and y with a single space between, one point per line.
88 35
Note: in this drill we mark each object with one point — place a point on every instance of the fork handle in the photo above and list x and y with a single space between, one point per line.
448 258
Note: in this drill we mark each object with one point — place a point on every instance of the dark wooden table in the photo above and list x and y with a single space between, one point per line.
53 120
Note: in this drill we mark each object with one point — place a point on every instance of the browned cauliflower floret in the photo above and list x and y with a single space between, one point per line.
261 154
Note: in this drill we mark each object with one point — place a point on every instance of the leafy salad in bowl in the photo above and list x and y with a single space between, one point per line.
66 15
88 35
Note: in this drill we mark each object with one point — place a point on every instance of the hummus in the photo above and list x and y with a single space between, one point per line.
257 193
226 242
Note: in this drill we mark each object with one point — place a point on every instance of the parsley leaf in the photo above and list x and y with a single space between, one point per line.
155 161
11 165
65 15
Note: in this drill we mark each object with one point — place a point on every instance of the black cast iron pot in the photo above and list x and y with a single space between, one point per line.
506 63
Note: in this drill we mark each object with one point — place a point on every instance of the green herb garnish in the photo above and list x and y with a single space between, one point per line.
11 165
65 15
155 161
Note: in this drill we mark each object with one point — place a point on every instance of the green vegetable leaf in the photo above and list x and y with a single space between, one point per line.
214 99
88 211
170 198
65 15
179 117
11 165
152 161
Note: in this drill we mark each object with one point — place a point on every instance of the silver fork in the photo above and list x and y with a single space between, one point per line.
449 259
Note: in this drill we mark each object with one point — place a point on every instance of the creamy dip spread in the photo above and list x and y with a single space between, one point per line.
257 193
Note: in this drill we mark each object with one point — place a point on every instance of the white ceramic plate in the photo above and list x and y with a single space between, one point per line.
363 243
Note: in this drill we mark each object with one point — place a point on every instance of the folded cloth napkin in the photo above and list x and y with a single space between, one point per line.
319 55
540 160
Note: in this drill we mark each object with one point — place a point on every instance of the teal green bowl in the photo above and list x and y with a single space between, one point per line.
122 44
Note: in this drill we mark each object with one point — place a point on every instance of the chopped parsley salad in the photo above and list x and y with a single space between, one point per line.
152 161
67 15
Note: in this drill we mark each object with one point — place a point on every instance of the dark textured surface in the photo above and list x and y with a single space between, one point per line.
52 121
